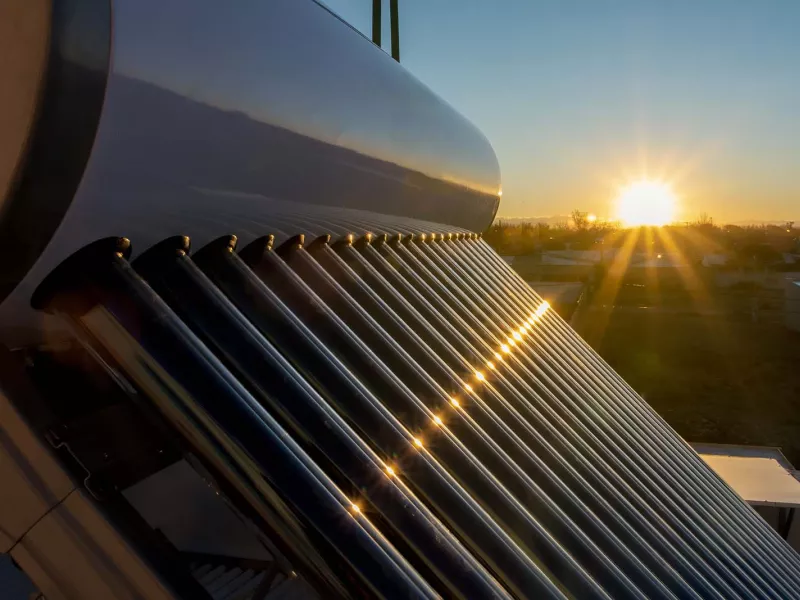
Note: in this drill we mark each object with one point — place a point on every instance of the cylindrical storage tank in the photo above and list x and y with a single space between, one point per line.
150 119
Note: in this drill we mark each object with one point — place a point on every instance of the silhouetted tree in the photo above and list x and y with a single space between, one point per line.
580 219
704 220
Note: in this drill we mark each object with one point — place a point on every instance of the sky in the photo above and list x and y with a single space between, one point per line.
579 97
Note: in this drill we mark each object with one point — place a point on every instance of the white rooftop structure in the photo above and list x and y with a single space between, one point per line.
715 260
760 475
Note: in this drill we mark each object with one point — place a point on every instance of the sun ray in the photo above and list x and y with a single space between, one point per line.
694 284
594 325
652 280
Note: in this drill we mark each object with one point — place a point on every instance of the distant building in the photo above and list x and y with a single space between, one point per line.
715 260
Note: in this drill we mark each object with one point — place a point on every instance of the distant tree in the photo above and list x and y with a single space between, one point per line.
542 230
580 219
560 226
704 220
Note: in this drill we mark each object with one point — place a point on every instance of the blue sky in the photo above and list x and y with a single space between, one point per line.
579 96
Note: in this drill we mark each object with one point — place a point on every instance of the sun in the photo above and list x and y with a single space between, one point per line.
646 202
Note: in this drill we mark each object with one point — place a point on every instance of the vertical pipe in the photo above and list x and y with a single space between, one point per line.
395 22
376 22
